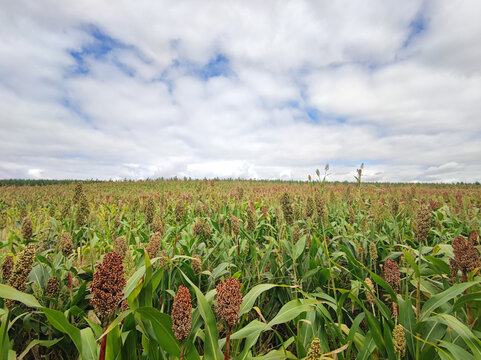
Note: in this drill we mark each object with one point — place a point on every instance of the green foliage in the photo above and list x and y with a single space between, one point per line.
303 278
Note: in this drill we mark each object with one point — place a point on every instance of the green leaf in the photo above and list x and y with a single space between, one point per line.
162 326
250 298
45 343
375 331
89 345
8 292
406 319
456 351
133 281
299 248
464 332
211 346
291 310
59 322
444 297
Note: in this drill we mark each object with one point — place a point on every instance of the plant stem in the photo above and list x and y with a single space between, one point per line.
103 345
227 343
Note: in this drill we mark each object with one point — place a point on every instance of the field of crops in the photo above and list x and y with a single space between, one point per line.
173 269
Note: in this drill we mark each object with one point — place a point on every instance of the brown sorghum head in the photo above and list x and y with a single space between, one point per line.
296 233
352 215
27 228
181 313
83 210
163 258
315 352
3 219
153 247
129 264
65 210
370 295
206 230
108 285
392 274
21 270
124 306
373 252
320 205
7 268
229 300
309 207
134 204
286 207
474 237
199 227
179 211
251 219
120 246
399 340
149 211
66 244
234 224
465 254
453 269
197 264
52 287
423 223
157 225
78 192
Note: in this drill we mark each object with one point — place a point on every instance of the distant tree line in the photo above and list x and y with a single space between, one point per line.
40 182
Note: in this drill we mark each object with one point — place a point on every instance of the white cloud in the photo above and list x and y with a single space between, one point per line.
35 173
300 84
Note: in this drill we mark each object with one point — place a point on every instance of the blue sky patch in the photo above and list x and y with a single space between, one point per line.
99 46
416 27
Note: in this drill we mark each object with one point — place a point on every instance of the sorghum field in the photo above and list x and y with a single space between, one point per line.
172 269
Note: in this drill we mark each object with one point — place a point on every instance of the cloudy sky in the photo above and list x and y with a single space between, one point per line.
250 89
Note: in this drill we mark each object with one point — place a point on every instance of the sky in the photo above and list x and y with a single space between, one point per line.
97 89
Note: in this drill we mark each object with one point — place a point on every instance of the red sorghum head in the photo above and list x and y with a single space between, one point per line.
107 285
181 313
229 300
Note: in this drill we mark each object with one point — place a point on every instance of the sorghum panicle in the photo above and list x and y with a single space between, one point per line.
373 252
286 207
120 246
107 285
153 247
78 192
66 244
149 211
181 313
251 219
465 254
370 295
27 228
296 233
309 207
392 274
423 223
3 219
197 264
229 300
234 224
158 225
453 269
21 270
399 340
7 268
52 287
315 352
179 211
